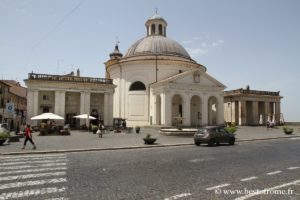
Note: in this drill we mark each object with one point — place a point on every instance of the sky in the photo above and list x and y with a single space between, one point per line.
240 42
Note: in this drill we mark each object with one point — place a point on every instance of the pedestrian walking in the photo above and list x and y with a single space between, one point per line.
28 136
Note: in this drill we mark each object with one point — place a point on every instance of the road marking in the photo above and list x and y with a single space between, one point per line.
273 173
32 156
32 183
60 198
178 196
33 170
26 176
32 166
292 168
297 138
249 178
28 193
201 160
218 186
35 161
268 189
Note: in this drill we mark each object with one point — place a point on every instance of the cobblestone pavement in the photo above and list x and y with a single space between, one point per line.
80 140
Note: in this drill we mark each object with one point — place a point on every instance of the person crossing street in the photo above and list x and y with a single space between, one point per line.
28 136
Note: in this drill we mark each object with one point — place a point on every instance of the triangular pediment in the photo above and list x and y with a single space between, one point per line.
195 77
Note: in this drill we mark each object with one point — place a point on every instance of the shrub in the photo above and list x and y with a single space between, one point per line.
231 129
287 129
3 135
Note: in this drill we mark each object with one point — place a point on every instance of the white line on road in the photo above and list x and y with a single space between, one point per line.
218 186
292 168
26 176
28 193
33 161
297 138
273 173
32 156
268 189
249 178
33 170
177 196
59 198
32 183
32 166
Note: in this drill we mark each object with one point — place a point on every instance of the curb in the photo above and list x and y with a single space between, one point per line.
131 147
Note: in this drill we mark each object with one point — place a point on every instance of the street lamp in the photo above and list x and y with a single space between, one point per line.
231 110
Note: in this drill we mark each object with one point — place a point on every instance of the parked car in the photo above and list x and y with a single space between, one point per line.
213 135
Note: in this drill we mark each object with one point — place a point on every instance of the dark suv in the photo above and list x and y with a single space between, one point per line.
213 135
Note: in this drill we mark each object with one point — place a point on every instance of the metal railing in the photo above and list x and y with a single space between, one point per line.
243 91
68 78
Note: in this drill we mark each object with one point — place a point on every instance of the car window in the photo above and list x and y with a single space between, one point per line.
222 130
202 130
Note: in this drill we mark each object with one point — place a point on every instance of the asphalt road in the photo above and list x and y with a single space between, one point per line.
190 172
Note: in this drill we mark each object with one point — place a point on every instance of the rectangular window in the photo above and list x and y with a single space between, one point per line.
45 97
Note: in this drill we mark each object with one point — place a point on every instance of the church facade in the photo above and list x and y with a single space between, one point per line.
158 83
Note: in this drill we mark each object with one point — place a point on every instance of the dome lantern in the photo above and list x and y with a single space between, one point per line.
156 25
116 53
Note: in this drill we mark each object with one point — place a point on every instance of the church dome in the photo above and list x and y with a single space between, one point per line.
157 45
156 41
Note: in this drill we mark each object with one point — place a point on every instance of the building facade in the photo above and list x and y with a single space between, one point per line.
13 103
68 96
252 107
158 83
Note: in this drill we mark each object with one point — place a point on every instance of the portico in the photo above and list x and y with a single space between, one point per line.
252 107
68 96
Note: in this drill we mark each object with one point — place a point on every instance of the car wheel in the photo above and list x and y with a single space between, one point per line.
217 143
197 143
211 142
232 141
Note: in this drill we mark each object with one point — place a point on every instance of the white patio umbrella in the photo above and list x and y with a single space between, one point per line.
47 116
84 116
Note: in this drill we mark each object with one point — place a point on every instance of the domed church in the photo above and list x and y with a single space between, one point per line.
158 83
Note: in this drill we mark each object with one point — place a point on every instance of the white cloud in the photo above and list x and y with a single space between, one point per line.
186 42
196 52
204 44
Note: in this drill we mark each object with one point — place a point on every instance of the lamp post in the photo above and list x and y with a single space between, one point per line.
2 92
231 110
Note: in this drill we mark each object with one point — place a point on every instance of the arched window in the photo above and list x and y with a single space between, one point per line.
137 86
160 29
153 29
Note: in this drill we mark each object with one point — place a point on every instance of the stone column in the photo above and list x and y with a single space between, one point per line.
32 106
85 103
255 116
108 109
277 112
59 105
267 111
220 110
166 109
242 113
204 110
186 110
